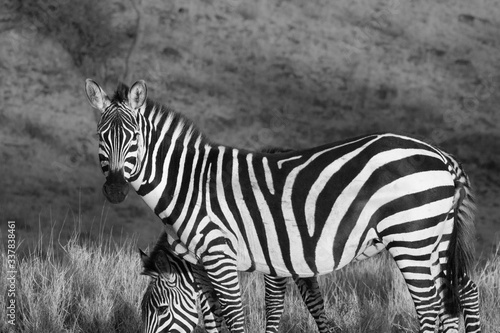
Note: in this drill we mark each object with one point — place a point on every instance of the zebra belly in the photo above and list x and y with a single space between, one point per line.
370 247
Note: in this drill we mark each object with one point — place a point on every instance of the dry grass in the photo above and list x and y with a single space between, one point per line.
95 286
89 287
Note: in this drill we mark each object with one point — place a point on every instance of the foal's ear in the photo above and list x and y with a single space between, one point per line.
165 267
144 257
137 94
146 263
162 263
96 96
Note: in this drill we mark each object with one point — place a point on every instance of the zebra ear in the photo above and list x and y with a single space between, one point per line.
146 263
96 96
162 263
137 94
144 257
165 267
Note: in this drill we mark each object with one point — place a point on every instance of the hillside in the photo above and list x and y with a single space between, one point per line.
249 74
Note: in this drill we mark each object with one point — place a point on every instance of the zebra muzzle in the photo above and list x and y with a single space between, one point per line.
115 189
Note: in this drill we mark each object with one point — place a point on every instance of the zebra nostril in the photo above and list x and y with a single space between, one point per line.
125 189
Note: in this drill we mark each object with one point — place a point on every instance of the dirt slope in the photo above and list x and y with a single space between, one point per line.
269 72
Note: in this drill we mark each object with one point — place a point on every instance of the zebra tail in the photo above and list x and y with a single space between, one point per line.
461 248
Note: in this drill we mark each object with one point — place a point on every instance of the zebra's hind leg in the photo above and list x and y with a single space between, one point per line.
449 313
311 294
469 302
416 270
448 322
275 288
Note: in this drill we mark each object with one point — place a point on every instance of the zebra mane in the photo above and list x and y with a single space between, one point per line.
163 114
178 121
121 93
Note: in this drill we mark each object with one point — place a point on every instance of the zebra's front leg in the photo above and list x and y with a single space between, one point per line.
275 287
222 271
210 307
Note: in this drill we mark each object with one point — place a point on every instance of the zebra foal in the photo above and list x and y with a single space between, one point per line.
176 289
302 213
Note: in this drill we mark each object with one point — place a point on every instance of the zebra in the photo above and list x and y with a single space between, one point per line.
177 288
303 213
159 314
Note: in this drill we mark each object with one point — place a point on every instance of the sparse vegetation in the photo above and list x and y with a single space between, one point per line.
95 286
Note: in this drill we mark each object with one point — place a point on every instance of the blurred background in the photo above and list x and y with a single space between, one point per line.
250 74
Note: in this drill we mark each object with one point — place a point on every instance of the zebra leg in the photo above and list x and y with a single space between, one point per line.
416 270
212 321
448 322
275 297
210 307
223 274
311 294
469 302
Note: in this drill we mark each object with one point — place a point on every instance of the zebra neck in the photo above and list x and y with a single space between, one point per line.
164 132
172 174
182 182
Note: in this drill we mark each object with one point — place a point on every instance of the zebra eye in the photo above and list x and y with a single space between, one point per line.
162 309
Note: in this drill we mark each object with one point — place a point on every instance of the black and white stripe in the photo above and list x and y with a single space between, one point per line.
301 213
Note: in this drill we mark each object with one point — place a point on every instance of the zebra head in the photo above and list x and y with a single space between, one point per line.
169 303
121 142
